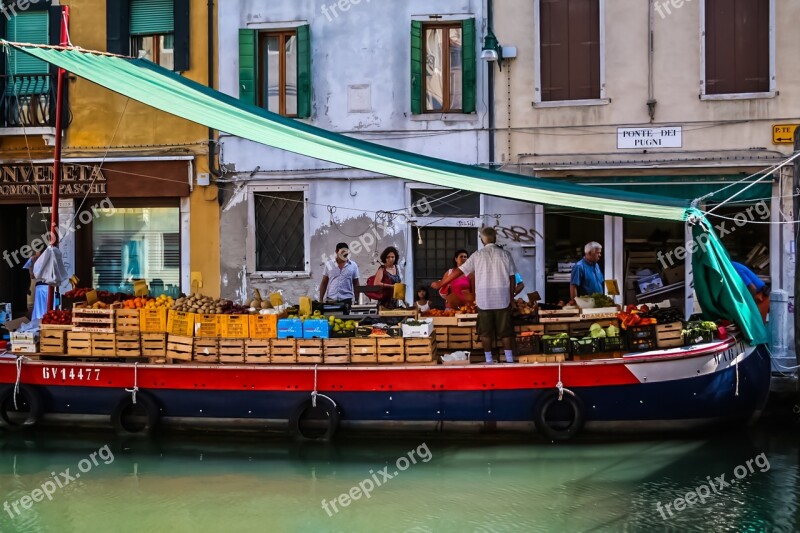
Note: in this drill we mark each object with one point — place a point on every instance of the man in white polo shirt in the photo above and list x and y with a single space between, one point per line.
495 282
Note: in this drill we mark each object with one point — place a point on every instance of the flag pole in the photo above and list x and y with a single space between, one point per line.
57 151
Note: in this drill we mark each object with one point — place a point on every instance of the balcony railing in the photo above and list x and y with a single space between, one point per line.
29 101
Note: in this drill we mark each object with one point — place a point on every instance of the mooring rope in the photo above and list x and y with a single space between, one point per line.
314 393
19 379
736 364
135 388
560 386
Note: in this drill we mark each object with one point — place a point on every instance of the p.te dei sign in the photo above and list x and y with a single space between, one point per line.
783 133
637 138
32 180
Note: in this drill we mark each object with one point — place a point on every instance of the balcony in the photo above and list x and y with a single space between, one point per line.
27 105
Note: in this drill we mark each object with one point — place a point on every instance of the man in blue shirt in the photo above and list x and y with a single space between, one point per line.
587 278
756 287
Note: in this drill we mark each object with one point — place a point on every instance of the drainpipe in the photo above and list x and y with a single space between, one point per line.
212 143
490 82
651 99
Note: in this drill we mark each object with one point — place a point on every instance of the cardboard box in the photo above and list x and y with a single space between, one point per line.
290 328
674 274
422 331
316 329
650 283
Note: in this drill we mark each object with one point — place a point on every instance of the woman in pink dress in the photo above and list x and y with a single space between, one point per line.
460 291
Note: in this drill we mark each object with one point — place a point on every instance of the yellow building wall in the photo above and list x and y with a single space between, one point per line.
103 119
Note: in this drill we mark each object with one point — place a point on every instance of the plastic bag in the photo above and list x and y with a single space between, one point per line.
49 268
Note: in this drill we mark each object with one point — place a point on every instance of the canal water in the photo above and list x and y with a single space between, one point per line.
743 481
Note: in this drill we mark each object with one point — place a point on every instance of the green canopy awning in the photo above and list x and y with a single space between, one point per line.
158 87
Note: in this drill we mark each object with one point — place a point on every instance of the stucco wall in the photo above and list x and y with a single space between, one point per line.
707 125
369 44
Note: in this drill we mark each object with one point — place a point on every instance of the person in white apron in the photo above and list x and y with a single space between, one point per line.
40 291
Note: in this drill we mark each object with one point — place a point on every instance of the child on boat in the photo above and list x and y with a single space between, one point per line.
423 303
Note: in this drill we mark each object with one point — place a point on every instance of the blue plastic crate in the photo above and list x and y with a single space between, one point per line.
290 328
316 329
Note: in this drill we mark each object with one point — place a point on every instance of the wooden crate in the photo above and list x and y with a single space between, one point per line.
88 320
459 338
154 344
79 343
421 350
391 350
467 320
556 327
440 334
669 335
126 320
444 321
257 351
283 351
364 350
336 351
205 350
179 348
231 351
128 344
536 329
542 358
309 351
53 338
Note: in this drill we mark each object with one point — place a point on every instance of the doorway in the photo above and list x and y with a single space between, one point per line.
14 279
434 256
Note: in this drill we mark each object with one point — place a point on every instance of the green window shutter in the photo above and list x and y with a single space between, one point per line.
247 66
149 17
31 27
416 67
303 71
469 65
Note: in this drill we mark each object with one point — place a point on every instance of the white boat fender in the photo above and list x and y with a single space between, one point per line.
131 405
317 402
8 405
558 431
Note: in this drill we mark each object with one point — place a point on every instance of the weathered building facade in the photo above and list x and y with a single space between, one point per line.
115 151
403 74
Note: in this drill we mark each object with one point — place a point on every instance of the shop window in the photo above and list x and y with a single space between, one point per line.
566 232
737 45
275 70
137 243
569 50
156 30
280 243
443 67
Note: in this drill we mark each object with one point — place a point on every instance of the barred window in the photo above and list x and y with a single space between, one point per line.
279 231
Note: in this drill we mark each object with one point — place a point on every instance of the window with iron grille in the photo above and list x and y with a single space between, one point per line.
280 240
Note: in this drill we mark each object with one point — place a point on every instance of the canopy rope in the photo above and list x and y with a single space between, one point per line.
314 393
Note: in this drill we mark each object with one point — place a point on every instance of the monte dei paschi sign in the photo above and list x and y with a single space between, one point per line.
37 180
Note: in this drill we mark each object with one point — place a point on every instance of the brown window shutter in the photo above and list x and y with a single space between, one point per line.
737 46
570 49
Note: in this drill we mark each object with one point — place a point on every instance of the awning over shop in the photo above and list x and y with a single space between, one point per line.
719 291
681 187
162 89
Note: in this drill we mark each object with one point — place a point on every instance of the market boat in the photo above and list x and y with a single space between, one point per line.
723 381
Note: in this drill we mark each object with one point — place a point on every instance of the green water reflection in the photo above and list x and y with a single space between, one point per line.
221 484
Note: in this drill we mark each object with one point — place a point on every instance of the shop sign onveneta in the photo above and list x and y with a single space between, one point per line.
37 180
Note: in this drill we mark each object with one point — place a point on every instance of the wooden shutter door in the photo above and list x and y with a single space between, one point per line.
416 67
303 71
247 66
